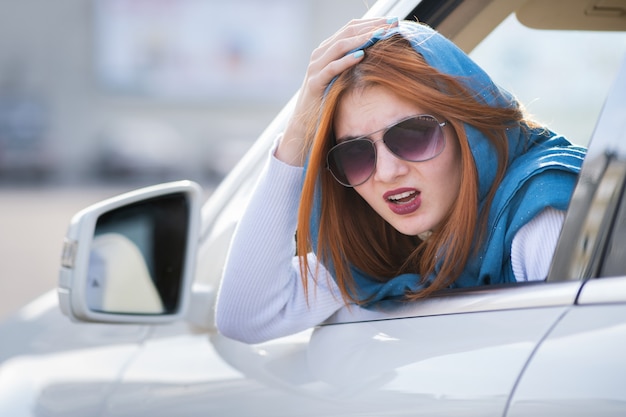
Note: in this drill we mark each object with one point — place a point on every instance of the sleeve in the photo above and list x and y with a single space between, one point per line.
534 244
261 296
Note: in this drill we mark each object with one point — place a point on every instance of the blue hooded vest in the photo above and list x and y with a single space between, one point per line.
543 170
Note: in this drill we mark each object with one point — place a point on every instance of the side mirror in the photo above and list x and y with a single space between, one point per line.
131 258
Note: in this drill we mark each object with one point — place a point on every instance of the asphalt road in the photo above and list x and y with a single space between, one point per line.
33 222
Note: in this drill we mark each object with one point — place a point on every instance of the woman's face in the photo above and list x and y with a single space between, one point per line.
414 197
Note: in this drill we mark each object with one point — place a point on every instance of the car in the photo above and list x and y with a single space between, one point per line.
552 348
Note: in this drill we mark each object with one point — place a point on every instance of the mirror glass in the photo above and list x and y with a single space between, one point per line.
137 257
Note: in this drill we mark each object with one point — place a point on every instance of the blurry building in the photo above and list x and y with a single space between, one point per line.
148 89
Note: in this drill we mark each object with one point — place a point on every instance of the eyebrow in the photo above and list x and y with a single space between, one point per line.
347 138
368 135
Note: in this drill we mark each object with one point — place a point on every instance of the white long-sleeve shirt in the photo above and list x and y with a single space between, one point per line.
262 296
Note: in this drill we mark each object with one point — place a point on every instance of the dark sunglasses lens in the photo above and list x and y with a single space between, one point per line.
353 161
416 139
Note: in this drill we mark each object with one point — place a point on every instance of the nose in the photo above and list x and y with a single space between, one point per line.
388 166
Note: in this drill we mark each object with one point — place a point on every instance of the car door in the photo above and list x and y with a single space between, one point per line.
456 355
459 354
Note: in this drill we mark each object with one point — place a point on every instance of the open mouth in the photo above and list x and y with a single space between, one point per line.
403 198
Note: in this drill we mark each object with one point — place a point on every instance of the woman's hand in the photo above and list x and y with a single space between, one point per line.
327 61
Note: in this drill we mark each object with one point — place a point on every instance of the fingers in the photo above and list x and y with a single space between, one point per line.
319 79
360 27
330 58
349 37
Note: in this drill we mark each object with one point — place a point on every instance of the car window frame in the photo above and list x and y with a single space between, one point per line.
586 248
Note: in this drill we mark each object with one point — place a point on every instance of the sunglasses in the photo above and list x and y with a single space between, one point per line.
415 139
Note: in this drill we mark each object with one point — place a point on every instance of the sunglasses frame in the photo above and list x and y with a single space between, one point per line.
441 125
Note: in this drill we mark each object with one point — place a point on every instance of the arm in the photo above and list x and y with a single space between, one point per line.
261 296
534 244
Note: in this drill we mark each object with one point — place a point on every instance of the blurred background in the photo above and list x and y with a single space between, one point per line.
99 97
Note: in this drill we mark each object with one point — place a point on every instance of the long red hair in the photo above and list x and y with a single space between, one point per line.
350 231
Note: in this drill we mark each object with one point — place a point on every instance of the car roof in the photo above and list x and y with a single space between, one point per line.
468 22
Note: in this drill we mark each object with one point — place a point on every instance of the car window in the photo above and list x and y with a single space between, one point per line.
523 60
562 77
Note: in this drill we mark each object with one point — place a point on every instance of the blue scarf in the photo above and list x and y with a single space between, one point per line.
543 170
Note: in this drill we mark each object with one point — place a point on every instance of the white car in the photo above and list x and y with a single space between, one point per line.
555 348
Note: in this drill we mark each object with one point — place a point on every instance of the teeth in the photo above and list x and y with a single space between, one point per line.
401 196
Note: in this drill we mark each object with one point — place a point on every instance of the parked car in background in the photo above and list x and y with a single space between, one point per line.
553 348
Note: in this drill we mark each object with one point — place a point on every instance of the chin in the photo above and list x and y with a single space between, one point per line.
412 228
408 230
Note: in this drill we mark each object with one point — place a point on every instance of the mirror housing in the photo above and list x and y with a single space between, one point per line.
131 258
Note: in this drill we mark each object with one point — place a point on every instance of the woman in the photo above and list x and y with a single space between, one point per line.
419 174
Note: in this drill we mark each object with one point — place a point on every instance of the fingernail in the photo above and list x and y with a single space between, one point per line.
379 32
358 54
392 20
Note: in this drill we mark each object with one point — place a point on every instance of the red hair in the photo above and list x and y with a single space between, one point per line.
350 231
